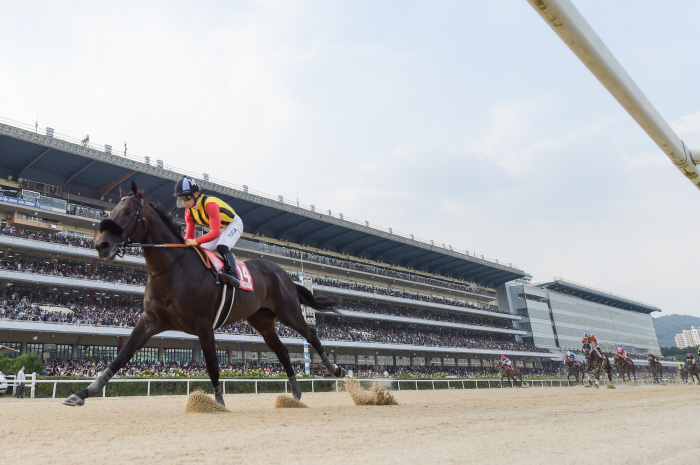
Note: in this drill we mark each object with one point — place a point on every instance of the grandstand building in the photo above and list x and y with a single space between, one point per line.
557 313
407 304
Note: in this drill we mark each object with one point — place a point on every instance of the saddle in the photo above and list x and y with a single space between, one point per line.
216 266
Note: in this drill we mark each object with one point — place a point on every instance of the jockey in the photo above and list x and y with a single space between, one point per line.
622 353
590 338
680 367
570 356
506 361
225 227
652 358
689 360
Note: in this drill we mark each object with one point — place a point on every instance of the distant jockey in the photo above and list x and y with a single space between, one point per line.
590 338
652 358
622 353
206 210
506 361
689 360
570 356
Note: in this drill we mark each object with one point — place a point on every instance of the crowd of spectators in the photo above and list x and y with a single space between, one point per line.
427 315
398 293
68 270
57 238
85 312
356 266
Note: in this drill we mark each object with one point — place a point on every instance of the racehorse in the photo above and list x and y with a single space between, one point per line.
656 370
573 369
683 372
626 366
511 373
596 362
694 372
181 294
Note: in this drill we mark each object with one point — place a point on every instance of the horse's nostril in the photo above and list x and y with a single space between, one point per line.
104 246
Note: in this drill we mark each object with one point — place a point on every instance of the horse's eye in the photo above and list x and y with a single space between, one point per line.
128 212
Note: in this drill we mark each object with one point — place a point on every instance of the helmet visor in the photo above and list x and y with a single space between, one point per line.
183 198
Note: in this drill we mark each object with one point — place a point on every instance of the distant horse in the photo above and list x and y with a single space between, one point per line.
683 372
511 373
574 369
596 362
182 295
626 367
656 370
694 372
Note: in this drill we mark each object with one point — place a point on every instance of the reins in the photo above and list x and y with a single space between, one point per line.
203 256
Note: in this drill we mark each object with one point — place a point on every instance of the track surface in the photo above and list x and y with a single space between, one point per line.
628 425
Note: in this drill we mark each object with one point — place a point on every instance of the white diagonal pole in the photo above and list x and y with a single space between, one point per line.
577 34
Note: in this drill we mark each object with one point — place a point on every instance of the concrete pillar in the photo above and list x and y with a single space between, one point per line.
52 259
393 357
160 354
427 359
23 348
93 265
130 298
92 294
74 351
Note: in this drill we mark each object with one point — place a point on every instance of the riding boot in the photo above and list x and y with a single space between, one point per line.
230 268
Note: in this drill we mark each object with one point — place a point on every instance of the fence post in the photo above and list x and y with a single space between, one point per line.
462 384
398 384
224 387
285 386
256 386
148 389
53 395
312 386
433 385
33 384
476 383
416 385
490 384
188 387
104 391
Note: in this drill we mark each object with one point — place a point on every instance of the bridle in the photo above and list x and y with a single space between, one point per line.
111 225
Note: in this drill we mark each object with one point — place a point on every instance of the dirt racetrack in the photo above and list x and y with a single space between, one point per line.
628 425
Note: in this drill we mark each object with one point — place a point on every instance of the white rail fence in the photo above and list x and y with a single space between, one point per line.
334 384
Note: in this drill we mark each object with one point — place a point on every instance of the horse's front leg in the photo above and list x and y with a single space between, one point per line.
206 340
143 331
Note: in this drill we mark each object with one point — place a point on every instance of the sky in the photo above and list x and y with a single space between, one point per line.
468 123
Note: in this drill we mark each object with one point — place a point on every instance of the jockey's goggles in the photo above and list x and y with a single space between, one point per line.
184 198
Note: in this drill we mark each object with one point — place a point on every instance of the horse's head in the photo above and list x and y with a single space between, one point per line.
586 348
125 224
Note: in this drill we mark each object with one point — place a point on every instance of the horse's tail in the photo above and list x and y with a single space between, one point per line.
322 302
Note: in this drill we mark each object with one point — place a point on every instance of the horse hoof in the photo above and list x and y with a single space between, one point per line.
220 400
73 401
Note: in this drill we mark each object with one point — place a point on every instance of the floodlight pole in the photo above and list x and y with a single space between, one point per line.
577 34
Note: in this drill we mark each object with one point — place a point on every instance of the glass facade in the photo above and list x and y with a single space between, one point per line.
555 319
12 345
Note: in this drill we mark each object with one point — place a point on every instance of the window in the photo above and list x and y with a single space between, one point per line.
268 357
448 362
403 361
177 355
345 359
250 356
147 354
12 345
108 352
385 360
420 361
365 359
435 362
37 349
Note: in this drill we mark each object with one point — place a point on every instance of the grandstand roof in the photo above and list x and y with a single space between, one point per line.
595 295
92 173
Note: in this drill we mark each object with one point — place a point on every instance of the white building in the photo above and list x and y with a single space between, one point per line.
688 338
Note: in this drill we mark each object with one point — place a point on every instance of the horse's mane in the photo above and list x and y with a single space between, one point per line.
167 219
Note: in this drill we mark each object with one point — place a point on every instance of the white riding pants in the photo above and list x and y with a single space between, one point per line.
229 235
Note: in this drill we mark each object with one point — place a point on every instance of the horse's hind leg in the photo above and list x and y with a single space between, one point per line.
295 320
264 322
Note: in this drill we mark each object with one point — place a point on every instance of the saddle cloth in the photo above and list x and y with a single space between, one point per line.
243 273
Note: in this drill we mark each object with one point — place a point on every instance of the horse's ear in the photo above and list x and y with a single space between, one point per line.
134 188
122 194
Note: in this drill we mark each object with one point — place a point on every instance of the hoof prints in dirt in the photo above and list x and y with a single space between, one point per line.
376 395
288 402
199 402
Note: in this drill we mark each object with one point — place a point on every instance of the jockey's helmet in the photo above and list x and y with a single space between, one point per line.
689 354
186 186
503 356
619 349
586 335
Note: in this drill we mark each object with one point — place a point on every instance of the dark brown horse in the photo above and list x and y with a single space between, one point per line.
574 369
683 374
626 367
511 373
596 362
181 294
656 370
